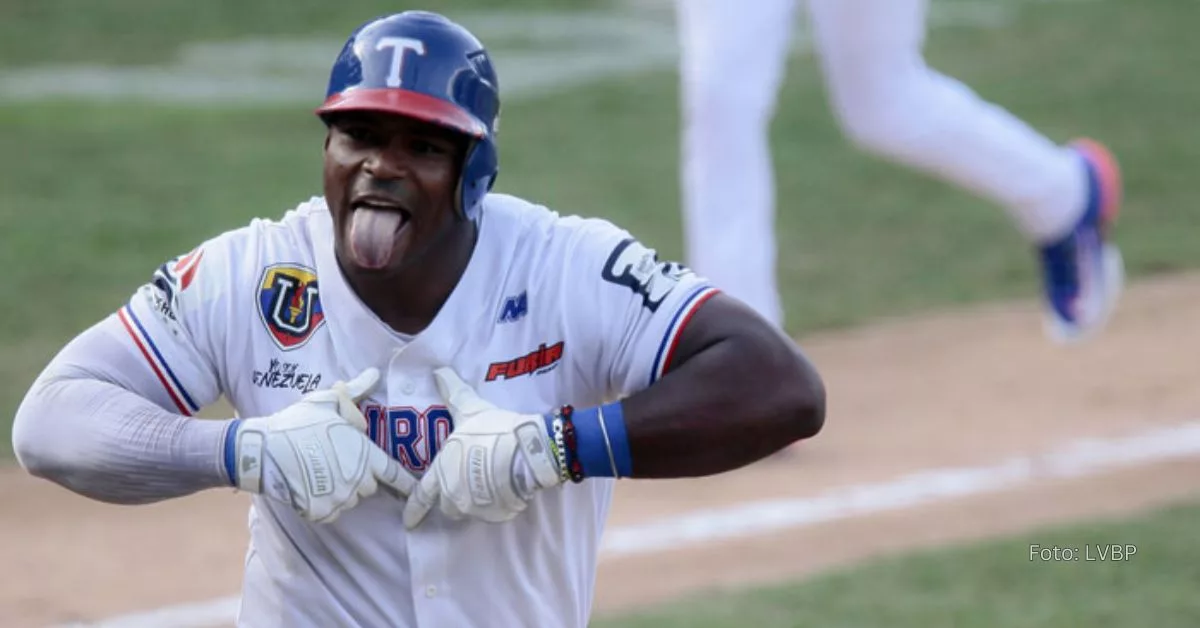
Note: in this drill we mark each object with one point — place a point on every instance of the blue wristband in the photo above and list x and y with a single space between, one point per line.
231 451
602 444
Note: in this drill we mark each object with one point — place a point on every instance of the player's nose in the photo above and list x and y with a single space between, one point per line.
387 162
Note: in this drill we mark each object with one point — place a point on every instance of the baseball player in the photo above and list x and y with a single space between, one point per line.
436 386
888 102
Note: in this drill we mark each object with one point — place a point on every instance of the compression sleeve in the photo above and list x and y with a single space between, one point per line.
82 426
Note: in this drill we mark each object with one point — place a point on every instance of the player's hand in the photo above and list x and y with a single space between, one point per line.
492 464
315 454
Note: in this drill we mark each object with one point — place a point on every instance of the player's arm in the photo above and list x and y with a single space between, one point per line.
91 423
111 416
705 384
736 391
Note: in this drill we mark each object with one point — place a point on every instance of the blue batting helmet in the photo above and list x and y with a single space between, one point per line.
422 65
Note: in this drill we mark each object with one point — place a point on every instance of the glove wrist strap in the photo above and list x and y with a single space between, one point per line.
229 457
248 446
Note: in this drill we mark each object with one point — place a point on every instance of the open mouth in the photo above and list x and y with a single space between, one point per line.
381 205
376 226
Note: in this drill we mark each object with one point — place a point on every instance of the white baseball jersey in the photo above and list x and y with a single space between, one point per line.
550 310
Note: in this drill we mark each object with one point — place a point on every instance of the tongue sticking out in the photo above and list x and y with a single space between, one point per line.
373 235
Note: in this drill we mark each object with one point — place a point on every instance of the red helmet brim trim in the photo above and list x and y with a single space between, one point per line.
406 103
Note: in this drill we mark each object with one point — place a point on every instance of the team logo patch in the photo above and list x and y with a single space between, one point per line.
638 268
539 360
289 303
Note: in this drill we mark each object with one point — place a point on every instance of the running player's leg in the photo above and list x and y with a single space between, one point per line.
891 103
733 55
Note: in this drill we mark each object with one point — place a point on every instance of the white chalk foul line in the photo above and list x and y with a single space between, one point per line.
1076 459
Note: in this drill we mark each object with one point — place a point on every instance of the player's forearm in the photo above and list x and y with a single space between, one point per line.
736 398
101 441
731 404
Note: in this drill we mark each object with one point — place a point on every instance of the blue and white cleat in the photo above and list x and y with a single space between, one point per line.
1083 273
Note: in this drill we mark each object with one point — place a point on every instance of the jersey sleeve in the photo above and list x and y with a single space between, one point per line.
629 306
172 324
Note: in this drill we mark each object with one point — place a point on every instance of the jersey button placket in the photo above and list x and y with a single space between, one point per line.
396 382
428 550
428 558
421 543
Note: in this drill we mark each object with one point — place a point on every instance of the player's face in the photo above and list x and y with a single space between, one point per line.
390 183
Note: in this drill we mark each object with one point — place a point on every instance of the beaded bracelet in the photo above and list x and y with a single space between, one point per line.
574 466
559 445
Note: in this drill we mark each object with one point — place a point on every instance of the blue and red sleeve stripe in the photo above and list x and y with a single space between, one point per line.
158 364
670 341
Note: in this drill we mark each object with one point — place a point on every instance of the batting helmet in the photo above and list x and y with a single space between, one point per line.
422 65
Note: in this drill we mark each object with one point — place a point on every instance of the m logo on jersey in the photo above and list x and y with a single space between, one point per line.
289 303
515 308
636 267
539 360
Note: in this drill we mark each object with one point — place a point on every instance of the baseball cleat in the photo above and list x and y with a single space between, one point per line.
1083 272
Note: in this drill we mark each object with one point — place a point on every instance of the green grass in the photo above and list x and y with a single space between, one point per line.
96 196
131 32
987 585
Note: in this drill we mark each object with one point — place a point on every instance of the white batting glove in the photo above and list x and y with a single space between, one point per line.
315 454
492 464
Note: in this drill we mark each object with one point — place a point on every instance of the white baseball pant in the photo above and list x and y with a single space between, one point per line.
887 101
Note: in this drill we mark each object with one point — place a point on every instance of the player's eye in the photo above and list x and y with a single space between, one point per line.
426 147
359 134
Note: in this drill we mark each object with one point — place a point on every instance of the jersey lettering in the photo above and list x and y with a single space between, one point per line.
411 436
286 376
539 360
399 46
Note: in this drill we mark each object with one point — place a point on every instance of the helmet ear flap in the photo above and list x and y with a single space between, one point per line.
479 173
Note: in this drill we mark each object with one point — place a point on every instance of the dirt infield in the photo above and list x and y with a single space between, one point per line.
956 390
